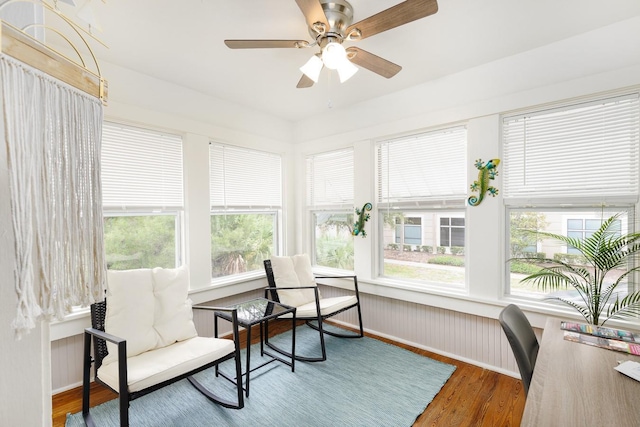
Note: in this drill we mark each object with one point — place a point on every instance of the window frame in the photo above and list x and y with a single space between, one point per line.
559 199
435 203
155 209
339 202
270 207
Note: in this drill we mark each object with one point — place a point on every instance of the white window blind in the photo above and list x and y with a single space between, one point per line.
423 170
244 179
577 151
140 168
330 179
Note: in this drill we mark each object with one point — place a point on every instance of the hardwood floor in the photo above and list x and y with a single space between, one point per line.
473 396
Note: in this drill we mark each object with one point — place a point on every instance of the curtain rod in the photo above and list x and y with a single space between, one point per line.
26 49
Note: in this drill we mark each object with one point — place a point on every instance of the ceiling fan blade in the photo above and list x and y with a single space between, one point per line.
312 10
304 82
400 14
373 62
262 44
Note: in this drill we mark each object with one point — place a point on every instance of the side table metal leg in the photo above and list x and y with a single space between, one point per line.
248 368
262 335
215 334
293 342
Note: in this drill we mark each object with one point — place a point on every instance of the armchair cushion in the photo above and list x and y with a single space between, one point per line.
294 272
130 312
153 367
173 313
148 308
327 306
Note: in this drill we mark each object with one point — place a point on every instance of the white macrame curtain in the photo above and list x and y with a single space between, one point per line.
52 136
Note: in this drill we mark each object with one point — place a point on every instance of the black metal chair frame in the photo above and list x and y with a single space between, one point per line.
319 319
100 338
522 340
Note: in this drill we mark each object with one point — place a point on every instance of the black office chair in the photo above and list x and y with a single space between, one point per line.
522 339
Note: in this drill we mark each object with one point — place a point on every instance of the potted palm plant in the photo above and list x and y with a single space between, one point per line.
609 261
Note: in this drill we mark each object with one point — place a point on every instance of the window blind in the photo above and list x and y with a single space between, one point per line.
423 170
141 168
582 150
244 179
330 179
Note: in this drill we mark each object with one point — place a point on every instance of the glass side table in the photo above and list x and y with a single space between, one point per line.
258 312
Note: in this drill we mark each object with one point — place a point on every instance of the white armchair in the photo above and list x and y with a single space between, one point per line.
145 339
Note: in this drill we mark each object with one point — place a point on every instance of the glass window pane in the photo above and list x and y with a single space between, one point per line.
549 221
240 242
458 222
574 224
457 237
592 224
575 234
444 236
333 239
141 241
412 235
428 261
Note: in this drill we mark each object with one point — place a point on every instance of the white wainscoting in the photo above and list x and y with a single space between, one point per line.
465 337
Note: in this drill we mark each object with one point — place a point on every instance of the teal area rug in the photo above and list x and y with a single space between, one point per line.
364 382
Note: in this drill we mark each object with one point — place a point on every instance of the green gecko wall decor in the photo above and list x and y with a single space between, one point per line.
486 172
363 217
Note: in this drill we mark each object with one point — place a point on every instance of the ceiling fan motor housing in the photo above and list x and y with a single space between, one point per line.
339 14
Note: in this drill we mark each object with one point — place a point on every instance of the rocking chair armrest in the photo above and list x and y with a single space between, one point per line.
280 288
105 336
355 280
123 383
234 320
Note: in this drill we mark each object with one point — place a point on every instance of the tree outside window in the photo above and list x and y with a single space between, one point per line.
241 242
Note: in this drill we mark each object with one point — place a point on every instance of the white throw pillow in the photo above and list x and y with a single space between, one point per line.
293 272
130 311
173 312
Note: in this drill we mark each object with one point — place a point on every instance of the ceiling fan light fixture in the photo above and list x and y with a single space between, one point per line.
312 68
346 70
333 55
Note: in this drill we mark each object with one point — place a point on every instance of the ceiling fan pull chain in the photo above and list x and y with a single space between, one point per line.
329 103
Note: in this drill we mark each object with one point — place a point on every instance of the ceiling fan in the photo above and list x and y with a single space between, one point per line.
330 24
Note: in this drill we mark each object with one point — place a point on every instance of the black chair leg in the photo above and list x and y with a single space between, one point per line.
86 381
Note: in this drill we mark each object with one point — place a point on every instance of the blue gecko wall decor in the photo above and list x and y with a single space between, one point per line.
486 172
363 217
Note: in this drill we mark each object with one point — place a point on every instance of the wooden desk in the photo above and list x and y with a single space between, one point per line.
575 384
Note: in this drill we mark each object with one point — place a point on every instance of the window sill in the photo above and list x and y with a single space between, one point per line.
449 299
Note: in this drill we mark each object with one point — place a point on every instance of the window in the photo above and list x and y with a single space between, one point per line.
452 232
421 213
524 223
330 205
142 196
563 161
409 231
583 227
246 206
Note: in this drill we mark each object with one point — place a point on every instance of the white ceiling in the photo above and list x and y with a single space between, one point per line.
182 42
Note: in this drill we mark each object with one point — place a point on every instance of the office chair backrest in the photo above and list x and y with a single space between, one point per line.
522 339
